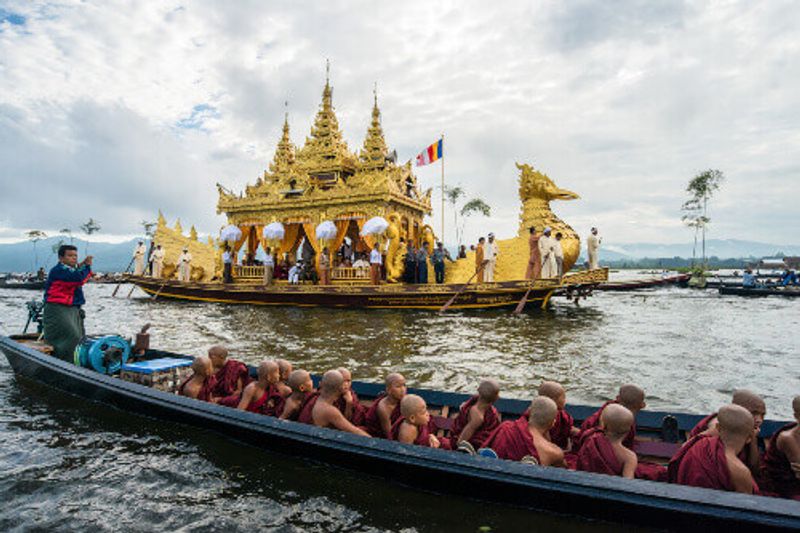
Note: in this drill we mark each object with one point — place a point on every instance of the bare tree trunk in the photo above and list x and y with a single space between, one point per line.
694 248
705 205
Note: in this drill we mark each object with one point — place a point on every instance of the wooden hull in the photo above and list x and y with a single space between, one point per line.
786 292
389 296
680 279
590 495
27 285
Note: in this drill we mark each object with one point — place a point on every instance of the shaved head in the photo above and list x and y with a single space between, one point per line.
297 379
551 389
488 390
411 404
345 373
631 396
266 368
285 368
543 412
218 351
394 376
735 420
617 419
750 401
201 365
331 382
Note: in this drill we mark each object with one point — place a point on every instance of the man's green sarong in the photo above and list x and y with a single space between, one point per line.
63 328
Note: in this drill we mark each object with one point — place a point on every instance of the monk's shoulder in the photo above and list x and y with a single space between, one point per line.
407 432
476 414
741 478
789 440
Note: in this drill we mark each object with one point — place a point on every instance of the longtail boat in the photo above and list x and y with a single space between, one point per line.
635 285
36 285
787 292
556 490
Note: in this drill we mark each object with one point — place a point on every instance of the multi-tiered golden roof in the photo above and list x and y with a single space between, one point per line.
324 180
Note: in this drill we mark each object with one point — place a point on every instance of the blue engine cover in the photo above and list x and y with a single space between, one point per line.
104 354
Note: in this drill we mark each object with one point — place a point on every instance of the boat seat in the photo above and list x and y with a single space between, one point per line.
652 448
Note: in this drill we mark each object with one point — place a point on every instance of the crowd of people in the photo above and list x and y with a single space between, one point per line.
721 452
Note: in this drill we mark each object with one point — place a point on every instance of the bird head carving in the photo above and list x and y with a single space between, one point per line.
536 185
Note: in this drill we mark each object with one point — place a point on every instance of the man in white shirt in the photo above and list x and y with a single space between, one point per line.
157 259
139 255
227 265
269 267
375 262
593 249
547 250
185 266
559 253
490 253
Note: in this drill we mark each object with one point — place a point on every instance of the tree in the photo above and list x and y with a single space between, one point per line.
68 233
91 226
453 195
474 206
35 236
701 189
148 228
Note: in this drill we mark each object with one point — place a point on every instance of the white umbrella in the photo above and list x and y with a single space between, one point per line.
374 226
230 233
274 231
326 231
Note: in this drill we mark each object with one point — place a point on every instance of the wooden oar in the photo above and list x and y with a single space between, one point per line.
159 290
456 295
521 304
114 294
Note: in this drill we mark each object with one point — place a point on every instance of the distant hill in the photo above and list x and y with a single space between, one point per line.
114 257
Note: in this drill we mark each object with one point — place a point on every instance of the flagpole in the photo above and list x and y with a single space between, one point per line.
441 239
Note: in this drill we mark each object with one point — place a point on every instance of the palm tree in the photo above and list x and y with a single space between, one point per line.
474 206
91 226
453 195
35 236
701 188
67 232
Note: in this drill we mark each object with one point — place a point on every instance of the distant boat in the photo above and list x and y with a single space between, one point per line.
791 292
35 285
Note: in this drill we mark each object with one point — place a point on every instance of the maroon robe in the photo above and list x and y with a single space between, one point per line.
227 378
359 411
512 440
205 391
491 419
306 408
372 424
597 455
701 426
296 414
562 428
776 470
701 462
270 403
594 421
423 436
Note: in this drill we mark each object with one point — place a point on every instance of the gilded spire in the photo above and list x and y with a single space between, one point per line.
284 152
373 155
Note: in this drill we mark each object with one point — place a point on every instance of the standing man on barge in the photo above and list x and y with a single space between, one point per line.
63 297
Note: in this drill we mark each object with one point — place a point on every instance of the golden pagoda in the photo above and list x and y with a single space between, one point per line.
325 181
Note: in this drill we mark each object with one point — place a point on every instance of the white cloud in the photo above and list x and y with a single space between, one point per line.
117 109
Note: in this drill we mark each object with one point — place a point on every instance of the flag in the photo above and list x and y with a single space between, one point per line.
430 154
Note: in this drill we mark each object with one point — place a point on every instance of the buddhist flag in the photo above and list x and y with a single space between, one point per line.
430 154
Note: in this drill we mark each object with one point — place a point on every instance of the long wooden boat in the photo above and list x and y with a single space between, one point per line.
635 285
788 292
550 489
388 296
28 285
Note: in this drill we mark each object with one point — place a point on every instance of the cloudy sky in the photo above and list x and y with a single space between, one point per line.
116 109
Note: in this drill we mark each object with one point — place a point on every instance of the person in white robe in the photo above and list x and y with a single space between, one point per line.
559 253
185 266
139 255
157 259
490 253
547 250
593 249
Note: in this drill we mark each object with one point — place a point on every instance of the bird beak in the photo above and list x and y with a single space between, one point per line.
564 194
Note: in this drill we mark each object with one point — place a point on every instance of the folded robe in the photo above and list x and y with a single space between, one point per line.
227 380
776 470
306 408
594 421
359 410
205 391
491 419
270 403
701 462
423 437
372 423
512 440
597 454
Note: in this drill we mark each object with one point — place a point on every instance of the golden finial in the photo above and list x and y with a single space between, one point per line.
327 71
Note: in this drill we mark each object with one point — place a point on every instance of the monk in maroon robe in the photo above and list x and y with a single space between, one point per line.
711 461
323 412
302 391
563 430
602 451
307 407
781 463
528 439
477 417
413 425
201 383
232 376
262 396
750 455
385 410
285 368
348 402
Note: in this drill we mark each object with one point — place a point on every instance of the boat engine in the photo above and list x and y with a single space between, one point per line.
103 354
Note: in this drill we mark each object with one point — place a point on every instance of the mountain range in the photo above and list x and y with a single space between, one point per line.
112 257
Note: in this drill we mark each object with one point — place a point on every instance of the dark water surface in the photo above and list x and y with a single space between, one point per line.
68 465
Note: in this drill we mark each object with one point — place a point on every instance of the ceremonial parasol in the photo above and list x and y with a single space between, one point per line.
374 226
326 231
274 231
230 233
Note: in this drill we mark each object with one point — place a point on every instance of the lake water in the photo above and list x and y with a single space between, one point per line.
69 465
